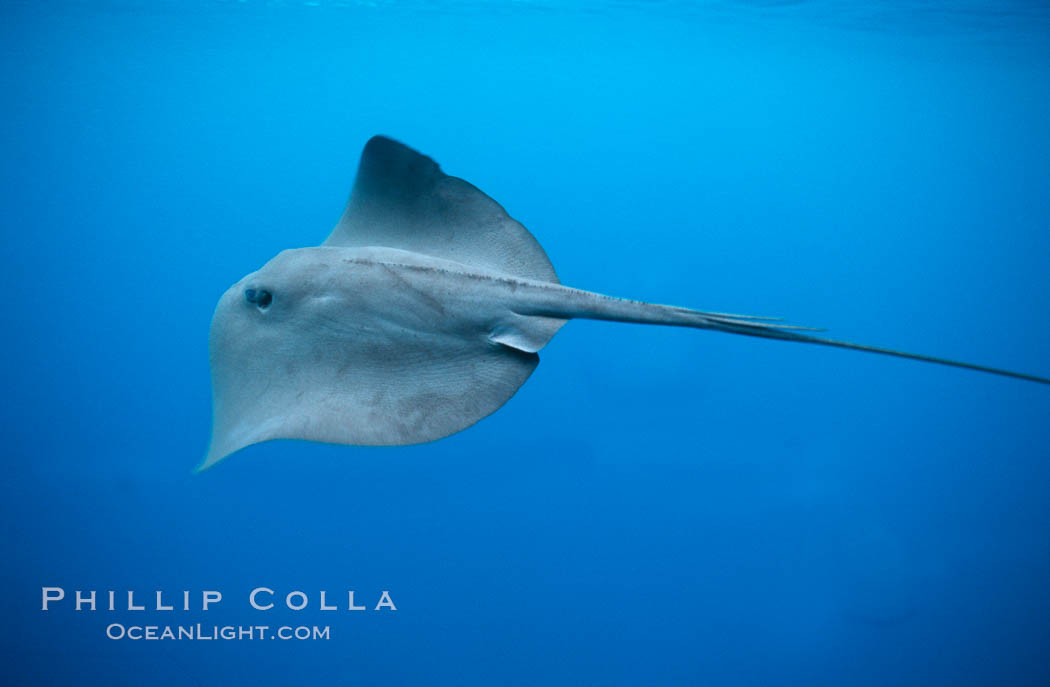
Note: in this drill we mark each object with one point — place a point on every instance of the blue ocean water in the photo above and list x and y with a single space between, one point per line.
655 506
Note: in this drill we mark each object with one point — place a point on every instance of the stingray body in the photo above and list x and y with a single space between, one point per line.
420 314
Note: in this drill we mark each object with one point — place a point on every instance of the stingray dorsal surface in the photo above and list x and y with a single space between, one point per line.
402 199
388 333
420 315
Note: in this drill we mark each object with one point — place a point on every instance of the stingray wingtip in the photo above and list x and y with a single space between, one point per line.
210 459
202 466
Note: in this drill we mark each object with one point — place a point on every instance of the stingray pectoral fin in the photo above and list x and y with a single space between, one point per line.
597 306
401 199
409 393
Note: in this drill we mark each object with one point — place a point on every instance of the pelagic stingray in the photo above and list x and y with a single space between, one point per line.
420 314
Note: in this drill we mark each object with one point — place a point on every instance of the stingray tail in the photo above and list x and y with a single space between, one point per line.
795 336
590 305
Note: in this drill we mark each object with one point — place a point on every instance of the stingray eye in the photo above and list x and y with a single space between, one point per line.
260 297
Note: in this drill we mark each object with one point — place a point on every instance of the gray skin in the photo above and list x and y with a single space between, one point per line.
420 315
370 346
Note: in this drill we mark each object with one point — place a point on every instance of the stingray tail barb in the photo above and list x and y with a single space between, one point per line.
588 305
